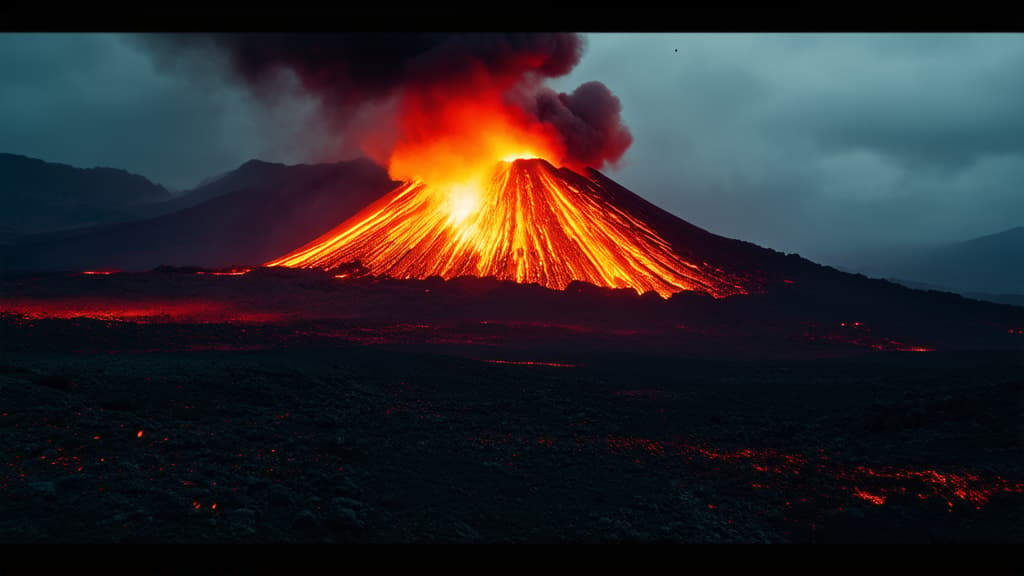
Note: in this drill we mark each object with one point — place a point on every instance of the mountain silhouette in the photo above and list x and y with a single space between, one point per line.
41 197
246 216
987 266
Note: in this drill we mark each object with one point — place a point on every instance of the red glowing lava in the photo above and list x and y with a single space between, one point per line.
483 197
100 272
872 498
529 363
789 471
526 221
858 334
139 311
228 272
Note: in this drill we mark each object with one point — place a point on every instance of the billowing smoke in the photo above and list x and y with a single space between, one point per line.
589 122
352 74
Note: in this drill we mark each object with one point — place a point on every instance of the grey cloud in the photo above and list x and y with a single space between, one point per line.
97 100
810 143
821 143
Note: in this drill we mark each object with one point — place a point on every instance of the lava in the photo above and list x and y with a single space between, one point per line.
872 498
530 363
857 334
476 143
228 272
139 311
785 471
530 223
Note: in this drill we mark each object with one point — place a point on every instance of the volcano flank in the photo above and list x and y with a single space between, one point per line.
529 223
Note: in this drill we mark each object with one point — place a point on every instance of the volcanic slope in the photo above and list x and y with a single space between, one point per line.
534 223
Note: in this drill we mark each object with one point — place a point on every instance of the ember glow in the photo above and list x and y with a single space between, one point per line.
873 498
530 363
784 471
139 311
858 334
228 272
100 272
530 223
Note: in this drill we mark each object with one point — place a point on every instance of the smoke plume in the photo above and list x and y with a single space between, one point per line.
369 75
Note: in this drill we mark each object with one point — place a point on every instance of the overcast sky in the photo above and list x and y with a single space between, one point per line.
803 143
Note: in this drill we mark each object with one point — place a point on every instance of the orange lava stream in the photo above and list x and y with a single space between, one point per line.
530 223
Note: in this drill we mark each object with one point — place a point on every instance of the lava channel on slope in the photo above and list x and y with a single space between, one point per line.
530 223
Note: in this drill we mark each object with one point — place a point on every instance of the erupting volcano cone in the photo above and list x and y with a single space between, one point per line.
530 223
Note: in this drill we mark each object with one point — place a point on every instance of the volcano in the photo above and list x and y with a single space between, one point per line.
529 223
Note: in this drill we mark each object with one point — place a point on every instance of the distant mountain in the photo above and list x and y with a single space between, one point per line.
1012 299
253 173
246 216
990 265
40 196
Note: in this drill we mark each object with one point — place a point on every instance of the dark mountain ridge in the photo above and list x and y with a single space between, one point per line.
988 264
42 196
247 216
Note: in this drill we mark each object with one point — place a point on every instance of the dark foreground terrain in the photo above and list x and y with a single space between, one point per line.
194 424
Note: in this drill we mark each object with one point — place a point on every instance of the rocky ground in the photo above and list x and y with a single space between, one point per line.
129 430
351 444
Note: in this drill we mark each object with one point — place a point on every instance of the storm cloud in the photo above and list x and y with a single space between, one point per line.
99 100
350 73
823 143
809 143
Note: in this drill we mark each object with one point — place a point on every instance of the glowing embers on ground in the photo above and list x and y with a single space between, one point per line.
142 311
529 363
531 223
232 271
857 334
785 473
104 272
875 499
227 272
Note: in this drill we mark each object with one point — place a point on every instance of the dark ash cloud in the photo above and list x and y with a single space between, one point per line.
810 143
589 119
350 72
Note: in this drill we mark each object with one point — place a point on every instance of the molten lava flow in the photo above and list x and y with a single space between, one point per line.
480 198
530 222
